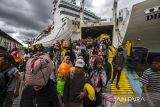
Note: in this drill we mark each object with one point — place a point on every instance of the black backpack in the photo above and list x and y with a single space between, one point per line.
4 79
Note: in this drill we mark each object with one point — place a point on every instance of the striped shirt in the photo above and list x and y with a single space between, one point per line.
152 79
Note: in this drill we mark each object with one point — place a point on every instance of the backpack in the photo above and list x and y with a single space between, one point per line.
38 70
4 80
71 75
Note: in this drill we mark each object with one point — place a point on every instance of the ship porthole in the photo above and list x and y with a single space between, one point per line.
151 10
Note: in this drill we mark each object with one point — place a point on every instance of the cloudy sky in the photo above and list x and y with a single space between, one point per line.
23 19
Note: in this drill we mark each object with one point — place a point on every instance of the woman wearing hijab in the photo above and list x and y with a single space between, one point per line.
67 60
98 80
63 70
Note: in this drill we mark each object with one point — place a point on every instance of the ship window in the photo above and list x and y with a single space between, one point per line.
72 22
159 8
151 10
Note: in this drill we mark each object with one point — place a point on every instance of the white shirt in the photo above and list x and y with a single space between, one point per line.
26 56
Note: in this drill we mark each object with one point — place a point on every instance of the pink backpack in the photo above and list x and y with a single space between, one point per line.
38 70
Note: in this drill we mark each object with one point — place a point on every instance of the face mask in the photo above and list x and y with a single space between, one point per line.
99 68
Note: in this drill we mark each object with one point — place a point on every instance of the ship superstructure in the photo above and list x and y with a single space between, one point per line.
67 21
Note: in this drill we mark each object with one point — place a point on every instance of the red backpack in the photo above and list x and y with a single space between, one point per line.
38 70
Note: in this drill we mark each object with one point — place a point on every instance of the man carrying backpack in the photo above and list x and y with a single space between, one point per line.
74 83
40 90
9 80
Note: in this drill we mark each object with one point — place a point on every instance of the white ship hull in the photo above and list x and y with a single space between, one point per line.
66 22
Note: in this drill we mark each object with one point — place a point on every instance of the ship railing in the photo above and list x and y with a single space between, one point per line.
108 20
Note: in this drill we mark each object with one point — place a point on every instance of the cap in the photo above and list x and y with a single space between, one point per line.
14 49
80 63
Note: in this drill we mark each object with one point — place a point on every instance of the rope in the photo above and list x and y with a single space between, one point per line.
69 32
69 36
65 32
120 38
58 34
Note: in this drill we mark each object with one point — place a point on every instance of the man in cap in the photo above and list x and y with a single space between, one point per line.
11 59
151 83
74 83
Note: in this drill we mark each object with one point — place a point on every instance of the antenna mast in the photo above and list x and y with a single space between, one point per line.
82 10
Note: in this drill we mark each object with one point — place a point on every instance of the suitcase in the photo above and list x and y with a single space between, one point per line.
108 100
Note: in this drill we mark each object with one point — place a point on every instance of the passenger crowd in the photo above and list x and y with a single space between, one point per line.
66 75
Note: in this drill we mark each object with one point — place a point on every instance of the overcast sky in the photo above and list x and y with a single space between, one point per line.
24 19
